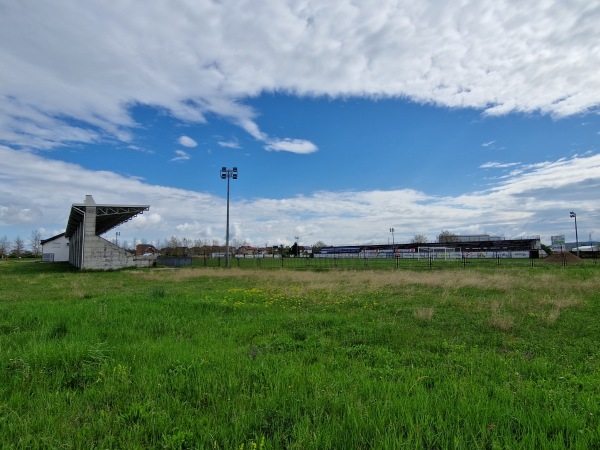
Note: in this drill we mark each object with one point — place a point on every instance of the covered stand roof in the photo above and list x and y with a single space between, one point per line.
107 216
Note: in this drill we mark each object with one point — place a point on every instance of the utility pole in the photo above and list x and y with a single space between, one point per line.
228 174
574 216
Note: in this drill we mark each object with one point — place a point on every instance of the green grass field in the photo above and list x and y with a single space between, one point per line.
504 357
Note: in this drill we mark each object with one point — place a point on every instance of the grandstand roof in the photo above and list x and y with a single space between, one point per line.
107 216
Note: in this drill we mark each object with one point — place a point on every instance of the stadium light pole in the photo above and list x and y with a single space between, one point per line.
297 249
117 234
228 174
392 231
574 216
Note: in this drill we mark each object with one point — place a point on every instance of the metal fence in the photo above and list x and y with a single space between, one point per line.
174 261
379 263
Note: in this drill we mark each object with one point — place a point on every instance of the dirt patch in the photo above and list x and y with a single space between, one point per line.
564 258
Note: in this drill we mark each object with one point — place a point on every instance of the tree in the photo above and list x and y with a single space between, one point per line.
419 239
318 246
237 243
447 237
36 242
4 246
18 247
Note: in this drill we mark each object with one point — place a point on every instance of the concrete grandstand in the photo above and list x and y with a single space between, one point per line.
87 249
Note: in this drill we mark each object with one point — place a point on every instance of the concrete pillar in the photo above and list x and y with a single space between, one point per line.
89 231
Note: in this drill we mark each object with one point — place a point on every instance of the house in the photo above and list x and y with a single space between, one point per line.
145 249
55 249
246 251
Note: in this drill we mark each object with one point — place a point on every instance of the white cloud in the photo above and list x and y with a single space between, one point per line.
146 221
229 144
188 228
187 141
532 199
181 156
497 165
299 146
93 60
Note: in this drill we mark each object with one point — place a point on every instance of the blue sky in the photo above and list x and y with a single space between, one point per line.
343 120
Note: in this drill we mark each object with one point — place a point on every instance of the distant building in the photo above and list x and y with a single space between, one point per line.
459 247
55 249
247 250
174 251
305 250
145 249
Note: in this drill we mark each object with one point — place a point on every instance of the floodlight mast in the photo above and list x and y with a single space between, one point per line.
228 174
572 215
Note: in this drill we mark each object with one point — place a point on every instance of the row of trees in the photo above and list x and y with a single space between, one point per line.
179 247
174 241
207 247
33 246
444 236
20 248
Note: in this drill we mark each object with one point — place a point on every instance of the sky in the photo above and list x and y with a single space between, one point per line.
345 119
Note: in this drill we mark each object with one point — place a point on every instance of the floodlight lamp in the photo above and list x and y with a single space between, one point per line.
572 214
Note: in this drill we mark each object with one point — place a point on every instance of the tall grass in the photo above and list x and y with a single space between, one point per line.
240 358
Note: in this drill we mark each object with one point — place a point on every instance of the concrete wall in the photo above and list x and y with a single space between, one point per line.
100 254
59 247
